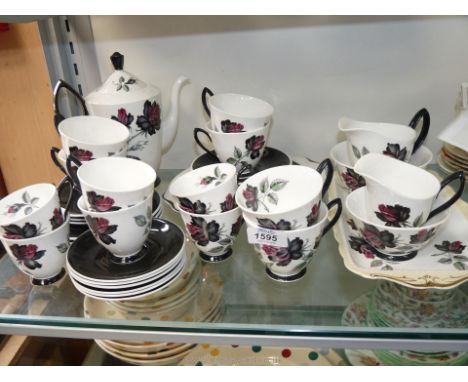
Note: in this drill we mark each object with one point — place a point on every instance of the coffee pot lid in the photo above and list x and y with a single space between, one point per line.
121 87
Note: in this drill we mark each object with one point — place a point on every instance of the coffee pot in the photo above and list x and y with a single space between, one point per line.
136 104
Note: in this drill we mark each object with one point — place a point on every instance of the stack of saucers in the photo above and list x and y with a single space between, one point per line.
97 273
452 158
203 305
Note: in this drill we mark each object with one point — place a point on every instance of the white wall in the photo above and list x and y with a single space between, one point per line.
312 69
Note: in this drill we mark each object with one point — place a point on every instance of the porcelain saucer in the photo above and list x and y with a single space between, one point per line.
271 158
208 300
92 261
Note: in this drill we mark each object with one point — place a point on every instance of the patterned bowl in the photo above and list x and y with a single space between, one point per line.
387 242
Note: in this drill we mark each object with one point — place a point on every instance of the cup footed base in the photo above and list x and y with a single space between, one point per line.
130 258
50 280
395 258
215 259
291 278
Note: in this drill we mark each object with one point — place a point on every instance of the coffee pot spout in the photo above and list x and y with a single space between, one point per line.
170 124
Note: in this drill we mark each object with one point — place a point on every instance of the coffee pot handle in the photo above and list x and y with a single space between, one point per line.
460 176
197 131
61 84
206 91
424 115
326 164
334 219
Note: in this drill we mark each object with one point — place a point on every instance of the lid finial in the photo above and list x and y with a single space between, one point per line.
117 60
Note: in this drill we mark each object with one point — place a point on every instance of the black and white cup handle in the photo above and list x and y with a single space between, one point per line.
426 118
460 176
71 173
70 197
334 219
199 130
206 91
326 164
54 151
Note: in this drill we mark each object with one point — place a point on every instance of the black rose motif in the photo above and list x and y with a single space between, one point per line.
57 219
394 151
237 226
422 236
228 204
101 203
123 117
282 256
312 217
360 245
250 195
281 225
198 207
231 127
254 145
352 180
378 239
393 216
150 121
102 228
81 154
13 231
28 255
203 232
455 247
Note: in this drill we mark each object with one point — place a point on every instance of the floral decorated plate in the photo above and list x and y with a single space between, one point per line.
356 315
443 263
233 355
207 301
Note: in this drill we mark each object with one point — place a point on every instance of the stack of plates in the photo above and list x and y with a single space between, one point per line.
453 159
97 273
77 221
205 306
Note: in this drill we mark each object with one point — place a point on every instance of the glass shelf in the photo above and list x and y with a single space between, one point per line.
257 310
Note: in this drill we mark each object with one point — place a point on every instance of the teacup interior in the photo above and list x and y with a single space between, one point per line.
398 176
356 204
241 105
116 174
201 180
292 187
92 130
30 198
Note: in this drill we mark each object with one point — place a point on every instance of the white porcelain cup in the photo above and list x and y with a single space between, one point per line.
236 113
90 137
240 150
214 234
289 262
122 232
285 196
121 182
31 211
42 257
206 190
402 195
